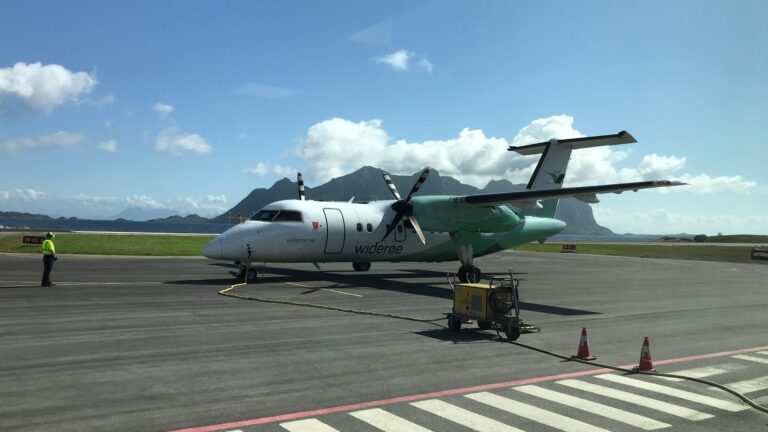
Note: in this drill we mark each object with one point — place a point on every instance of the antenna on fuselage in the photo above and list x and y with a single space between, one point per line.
300 181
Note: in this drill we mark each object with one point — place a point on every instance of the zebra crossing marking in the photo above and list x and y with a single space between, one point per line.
647 402
606 411
751 358
706 371
463 417
536 414
307 425
387 421
669 391
749 386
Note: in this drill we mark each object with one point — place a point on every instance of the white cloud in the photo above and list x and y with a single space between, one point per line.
101 102
264 91
25 195
43 87
207 206
51 141
660 221
110 146
177 143
401 60
337 146
163 109
262 169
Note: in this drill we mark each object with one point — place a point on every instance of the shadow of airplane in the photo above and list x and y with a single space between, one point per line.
437 287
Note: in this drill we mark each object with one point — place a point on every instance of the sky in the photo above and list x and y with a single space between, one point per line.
187 106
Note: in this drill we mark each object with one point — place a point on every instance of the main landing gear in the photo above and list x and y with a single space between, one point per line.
467 272
470 274
361 266
248 274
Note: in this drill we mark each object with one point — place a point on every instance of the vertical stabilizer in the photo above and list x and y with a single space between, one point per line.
553 163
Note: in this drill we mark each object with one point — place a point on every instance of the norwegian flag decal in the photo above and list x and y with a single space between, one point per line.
315 225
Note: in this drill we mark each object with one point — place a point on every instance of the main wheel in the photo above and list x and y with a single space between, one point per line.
474 274
462 274
252 276
454 324
361 266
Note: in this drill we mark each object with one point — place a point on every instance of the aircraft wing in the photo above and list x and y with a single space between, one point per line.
583 193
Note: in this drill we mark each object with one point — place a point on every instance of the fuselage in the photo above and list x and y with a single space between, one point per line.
320 231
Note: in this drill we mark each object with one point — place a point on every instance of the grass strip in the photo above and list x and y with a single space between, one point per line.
676 251
114 244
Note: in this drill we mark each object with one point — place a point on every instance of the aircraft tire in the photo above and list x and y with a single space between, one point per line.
512 331
462 274
253 275
361 266
474 274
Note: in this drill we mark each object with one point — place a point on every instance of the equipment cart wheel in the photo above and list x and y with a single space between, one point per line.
454 323
512 331
483 325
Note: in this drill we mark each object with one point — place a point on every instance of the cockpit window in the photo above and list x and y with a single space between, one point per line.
288 216
264 215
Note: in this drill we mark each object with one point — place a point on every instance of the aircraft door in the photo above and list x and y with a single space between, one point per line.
335 231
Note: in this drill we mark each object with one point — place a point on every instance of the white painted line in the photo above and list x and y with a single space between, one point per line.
463 417
669 391
765 353
749 386
751 358
643 401
706 371
612 413
308 425
341 292
536 414
236 430
386 421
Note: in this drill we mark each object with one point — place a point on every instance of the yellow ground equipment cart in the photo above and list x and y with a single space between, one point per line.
493 305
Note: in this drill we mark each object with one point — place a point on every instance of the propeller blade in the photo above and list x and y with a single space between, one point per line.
391 227
300 181
419 182
417 227
391 185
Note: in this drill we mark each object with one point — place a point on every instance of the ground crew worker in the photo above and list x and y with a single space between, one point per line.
49 256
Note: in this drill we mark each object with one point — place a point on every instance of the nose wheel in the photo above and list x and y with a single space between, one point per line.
469 274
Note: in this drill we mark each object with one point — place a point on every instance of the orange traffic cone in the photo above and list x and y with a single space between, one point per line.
583 352
646 364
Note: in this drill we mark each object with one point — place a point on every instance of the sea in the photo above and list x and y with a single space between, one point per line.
63 224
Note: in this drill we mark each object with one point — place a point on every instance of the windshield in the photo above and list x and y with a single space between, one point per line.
264 215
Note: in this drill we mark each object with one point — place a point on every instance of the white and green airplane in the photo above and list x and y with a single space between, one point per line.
418 228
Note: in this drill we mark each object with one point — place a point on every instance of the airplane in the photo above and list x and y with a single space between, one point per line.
433 228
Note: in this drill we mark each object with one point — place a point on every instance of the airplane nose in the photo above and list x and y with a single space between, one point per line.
213 249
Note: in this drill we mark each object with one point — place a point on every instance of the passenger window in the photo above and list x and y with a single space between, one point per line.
288 216
264 215
369 227
400 229
359 227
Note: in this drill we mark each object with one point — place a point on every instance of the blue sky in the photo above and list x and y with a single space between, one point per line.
187 106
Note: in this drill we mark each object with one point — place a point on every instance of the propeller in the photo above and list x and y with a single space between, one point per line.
404 207
300 181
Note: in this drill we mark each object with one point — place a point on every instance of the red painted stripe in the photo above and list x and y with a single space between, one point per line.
411 398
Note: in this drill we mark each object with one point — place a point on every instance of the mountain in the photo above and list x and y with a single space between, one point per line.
366 184
141 214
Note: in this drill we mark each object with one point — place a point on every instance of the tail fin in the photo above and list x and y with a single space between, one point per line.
555 155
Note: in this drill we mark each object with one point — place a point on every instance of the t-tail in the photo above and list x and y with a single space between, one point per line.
553 164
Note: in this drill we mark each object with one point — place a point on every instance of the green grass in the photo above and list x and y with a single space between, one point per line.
677 251
114 244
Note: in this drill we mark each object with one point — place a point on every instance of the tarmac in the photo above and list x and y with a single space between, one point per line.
134 343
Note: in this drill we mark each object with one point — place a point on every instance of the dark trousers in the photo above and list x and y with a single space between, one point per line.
47 267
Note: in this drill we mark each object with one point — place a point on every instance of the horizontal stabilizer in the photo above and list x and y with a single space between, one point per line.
622 137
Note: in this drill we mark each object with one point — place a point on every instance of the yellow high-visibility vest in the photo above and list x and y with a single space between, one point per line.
48 248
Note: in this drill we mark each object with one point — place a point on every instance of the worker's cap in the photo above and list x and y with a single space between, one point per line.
50 235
